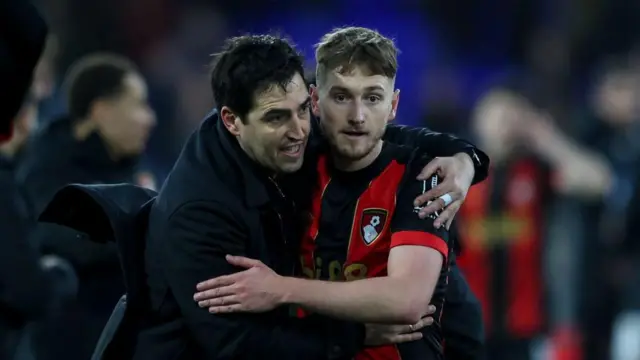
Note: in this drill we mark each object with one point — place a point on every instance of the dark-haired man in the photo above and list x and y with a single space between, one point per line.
240 187
99 141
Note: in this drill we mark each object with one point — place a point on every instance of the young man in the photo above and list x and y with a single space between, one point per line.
364 223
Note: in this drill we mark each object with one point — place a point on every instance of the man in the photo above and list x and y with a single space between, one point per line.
364 224
99 142
238 188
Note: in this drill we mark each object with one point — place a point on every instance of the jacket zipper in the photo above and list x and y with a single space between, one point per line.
284 237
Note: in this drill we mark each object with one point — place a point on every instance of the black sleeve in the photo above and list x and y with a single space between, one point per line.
439 144
28 296
59 240
198 236
22 38
406 227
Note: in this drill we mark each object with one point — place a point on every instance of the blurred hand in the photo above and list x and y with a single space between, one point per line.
378 334
457 175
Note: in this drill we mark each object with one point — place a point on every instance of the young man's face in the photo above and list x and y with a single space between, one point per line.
127 120
275 132
354 109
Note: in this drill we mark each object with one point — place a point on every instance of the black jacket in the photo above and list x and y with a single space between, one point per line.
22 37
26 290
53 159
117 214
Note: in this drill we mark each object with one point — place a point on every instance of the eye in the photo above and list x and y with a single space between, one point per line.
340 97
374 98
304 109
275 118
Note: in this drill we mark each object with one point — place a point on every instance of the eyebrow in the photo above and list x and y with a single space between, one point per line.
286 112
368 88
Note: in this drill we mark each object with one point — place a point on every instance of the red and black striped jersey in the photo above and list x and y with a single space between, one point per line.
357 217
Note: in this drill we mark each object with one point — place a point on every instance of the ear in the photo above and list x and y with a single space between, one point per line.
230 120
315 108
394 105
98 111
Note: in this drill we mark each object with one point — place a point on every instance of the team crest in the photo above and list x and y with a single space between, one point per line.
372 224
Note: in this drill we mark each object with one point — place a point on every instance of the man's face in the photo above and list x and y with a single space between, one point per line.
275 132
354 109
127 120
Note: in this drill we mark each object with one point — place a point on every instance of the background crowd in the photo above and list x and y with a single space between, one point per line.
549 89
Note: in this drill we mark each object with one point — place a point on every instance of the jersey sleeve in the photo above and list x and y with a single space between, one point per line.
409 229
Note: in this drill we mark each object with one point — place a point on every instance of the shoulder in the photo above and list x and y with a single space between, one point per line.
416 162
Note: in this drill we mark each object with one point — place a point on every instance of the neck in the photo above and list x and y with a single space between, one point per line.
349 165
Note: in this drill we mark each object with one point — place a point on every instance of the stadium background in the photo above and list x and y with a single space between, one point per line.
573 60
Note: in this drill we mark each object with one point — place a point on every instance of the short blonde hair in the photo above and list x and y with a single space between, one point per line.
348 47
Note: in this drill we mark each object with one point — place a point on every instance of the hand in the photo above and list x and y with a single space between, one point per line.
378 334
252 290
457 175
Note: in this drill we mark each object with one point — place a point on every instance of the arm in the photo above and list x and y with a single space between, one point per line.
199 236
431 142
414 266
439 144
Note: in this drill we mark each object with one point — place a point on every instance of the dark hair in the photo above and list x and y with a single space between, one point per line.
95 77
250 64
344 48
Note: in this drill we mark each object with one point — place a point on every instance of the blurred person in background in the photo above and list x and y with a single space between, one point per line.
626 327
503 222
43 282
613 245
100 141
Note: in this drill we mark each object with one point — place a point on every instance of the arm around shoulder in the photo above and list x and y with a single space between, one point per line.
439 144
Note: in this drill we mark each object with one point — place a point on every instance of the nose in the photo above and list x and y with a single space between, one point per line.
299 128
356 113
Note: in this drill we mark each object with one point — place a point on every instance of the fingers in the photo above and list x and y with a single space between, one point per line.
219 301
431 168
445 187
424 322
242 261
430 310
447 214
432 207
402 338
217 282
213 293
449 222
226 309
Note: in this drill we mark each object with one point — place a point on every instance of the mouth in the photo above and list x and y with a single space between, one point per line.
354 133
294 150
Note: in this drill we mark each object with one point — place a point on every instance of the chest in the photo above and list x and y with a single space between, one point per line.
349 233
274 236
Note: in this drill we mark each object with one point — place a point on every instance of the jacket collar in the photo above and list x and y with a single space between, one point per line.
253 176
